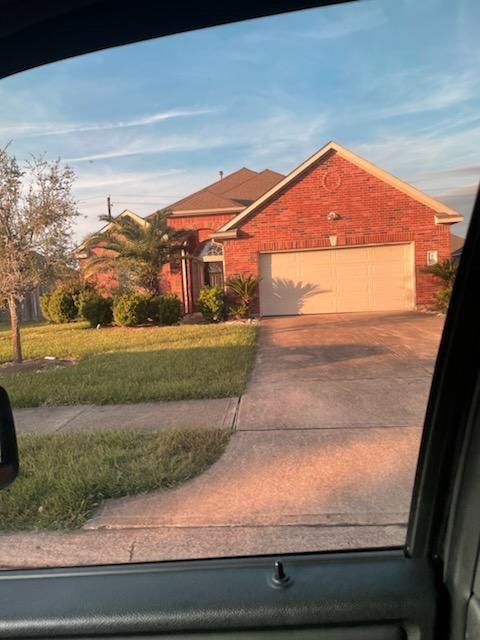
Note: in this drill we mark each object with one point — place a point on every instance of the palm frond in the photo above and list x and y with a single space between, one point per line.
146 247
446 271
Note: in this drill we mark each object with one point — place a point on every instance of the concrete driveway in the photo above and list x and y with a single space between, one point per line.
325 446
342 370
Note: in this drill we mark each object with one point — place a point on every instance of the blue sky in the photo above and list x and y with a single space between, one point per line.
397 82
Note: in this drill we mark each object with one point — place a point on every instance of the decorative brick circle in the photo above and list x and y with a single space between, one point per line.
331 181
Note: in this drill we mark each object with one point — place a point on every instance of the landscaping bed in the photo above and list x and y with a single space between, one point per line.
130 364
65 477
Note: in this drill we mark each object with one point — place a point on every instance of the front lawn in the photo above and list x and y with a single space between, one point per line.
124 365
64 477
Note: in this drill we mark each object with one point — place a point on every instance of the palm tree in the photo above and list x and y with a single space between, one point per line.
140 250
244 287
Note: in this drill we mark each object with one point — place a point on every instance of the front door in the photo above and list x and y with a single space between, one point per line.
198 279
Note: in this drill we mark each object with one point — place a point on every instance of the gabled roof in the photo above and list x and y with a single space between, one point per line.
254 187
232 193
131 214
445 215
456 244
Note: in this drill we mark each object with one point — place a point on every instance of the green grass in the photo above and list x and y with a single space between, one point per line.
63 478
125 365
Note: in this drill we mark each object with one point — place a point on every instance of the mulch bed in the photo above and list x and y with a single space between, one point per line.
36 364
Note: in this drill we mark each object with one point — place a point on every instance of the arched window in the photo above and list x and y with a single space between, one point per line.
211 248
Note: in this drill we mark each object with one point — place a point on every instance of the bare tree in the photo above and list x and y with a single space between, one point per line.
37 210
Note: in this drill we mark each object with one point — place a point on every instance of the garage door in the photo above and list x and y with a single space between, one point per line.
379 278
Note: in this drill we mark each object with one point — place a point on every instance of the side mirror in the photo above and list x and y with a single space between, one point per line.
9 464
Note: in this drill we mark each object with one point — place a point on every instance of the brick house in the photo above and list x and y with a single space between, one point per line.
337 234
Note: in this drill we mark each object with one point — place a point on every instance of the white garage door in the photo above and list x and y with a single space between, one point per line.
377 278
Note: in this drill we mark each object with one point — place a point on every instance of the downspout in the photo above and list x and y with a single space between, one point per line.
186 300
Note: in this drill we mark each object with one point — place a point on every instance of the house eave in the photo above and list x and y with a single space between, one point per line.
204 212
226 235
445 218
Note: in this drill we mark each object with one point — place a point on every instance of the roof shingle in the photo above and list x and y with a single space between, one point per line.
234 191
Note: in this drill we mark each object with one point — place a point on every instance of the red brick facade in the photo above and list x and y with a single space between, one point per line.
205 226
371 212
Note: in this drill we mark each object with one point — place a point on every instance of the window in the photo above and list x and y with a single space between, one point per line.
233 349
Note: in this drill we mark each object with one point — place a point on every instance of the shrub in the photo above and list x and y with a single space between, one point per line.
97 310
61 306
244 288
447 272
82 298
238 311
44 306
165 309
443 297
130 309
211 302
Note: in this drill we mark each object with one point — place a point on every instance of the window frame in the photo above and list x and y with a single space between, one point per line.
359 591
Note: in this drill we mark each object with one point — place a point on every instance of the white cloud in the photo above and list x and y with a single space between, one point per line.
473 169
343 24
426 92
329 24
152 146
108 179
266 138
40 129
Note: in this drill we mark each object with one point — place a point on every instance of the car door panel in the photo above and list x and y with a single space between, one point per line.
369 594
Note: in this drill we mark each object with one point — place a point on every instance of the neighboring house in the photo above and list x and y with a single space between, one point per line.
456 244
336 234
30 306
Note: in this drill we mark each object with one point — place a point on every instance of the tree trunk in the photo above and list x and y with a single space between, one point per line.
15 317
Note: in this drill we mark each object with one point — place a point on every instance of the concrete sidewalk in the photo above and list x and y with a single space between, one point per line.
312 477
194 414
58 549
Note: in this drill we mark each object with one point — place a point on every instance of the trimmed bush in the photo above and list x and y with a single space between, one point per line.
211 301
166 309
82 298
44 306
130 309
61 306
97 310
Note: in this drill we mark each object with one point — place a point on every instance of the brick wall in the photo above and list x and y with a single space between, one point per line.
205 225
370 211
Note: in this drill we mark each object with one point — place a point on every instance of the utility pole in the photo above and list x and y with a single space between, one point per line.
109 207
